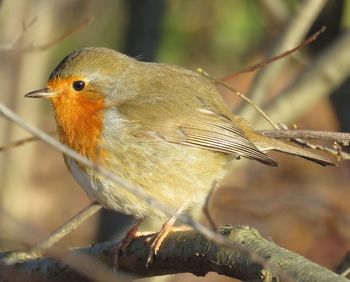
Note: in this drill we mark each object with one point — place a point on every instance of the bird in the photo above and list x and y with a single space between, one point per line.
162 127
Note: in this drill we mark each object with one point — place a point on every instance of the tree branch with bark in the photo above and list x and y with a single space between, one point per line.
187 251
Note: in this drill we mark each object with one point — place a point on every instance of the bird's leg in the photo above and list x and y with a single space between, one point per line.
206 210
165 230
124 243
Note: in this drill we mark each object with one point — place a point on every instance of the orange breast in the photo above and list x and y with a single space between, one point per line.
79 118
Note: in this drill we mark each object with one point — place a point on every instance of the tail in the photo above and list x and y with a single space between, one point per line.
277 145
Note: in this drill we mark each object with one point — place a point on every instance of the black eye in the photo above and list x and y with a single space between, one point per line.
78 85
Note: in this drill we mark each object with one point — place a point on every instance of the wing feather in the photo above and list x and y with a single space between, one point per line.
217 133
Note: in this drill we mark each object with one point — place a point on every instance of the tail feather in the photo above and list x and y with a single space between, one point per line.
280 146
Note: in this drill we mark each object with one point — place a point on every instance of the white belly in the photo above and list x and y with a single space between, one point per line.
108 194
166 178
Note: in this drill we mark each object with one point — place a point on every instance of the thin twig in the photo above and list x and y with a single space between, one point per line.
41 47
17 143
21 142
75 29
341 137
12 45
330 69
65 229
296 135
336 151
241 95
267 61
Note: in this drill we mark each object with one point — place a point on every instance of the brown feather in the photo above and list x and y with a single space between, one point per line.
216 133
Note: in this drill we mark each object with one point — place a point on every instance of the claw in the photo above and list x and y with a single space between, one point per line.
161 235
122 246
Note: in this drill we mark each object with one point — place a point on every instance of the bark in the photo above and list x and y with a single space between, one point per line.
184 251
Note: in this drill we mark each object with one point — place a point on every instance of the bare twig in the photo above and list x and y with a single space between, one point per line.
71 31
308 134
15 41
241 95
41 47
293 34
267 61
296 135
72 224
21 142
328 71
336 151
18 143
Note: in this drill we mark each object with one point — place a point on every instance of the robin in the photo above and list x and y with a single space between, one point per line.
162 127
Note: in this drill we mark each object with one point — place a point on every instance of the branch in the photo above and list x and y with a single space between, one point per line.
21 142
341 137
270 60
38 249
298 136
343 268
188 251
240 95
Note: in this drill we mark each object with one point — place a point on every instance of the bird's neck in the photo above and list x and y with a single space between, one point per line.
80 124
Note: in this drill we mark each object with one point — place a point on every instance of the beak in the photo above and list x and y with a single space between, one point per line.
41 93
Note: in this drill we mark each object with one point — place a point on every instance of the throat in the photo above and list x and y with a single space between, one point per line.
80 125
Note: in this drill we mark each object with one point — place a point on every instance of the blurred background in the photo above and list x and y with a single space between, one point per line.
300 206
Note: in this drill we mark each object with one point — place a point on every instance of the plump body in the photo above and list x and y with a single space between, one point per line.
157 175
161 127
131 143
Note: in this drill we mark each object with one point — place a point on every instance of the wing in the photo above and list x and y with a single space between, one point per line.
216 132
182 107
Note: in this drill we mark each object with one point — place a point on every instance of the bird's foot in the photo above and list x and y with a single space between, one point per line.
165 230
157 241
122 246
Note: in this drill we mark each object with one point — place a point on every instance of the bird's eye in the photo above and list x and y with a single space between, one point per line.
78 85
